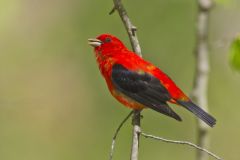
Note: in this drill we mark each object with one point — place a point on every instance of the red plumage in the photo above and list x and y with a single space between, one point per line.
137 83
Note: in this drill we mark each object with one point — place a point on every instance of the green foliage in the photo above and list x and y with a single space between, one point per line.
234 53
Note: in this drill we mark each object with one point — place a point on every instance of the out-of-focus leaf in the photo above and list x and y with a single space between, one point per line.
235 53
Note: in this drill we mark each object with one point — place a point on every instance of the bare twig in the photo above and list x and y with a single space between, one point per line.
199 92
116 133
131 30
136 131
112 10
181 142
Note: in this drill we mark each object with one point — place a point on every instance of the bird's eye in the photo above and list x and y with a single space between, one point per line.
108 40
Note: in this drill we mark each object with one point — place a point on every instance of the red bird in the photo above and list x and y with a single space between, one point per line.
137 83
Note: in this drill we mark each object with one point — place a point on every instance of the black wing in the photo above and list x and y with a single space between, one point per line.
143 88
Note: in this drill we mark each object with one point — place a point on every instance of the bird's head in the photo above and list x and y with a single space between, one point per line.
106 43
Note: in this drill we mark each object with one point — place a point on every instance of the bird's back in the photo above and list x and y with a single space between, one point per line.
133 62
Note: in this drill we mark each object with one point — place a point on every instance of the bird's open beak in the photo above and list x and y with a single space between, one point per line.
94 42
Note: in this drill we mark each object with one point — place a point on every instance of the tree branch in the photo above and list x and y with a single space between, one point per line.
136 132
200 86
131 30
116 133
181 142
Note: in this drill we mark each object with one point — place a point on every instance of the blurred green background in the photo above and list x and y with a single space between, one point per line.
54 105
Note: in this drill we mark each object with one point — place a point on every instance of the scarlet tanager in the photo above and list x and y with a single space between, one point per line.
137 83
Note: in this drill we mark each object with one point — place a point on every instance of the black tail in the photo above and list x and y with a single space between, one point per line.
199 112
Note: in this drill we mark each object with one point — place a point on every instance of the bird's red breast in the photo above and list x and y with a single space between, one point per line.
109 55
137 83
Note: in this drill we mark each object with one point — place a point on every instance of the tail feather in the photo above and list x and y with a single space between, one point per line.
199 112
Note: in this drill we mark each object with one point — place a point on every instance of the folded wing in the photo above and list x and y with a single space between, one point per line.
143 88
